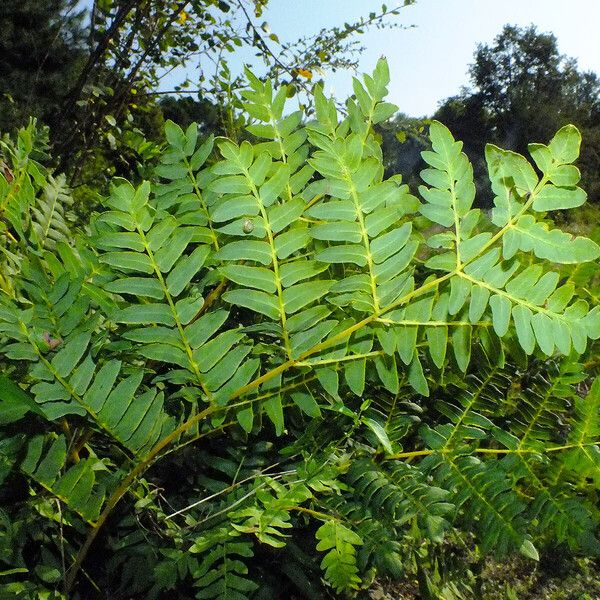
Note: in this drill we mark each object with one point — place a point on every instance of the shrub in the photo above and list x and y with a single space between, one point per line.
275 345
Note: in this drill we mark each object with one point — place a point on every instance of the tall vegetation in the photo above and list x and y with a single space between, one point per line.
94 75
522 87
41 50
269 365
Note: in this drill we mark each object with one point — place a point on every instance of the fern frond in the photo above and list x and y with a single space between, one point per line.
486 500
400 493
222 572
271 514
584 458
49 216
339 563
470 409
183 175
558 516
77 485
288 282
541 310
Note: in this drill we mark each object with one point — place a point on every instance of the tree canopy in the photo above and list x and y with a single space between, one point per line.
522 87
41 52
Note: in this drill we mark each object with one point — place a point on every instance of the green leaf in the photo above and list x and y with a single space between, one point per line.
437 338
175 135
165 353
145 314
103 382
185 270
274 410
254 300
461 345
301 294
149 335
442 262
544 332
271 189
478 304
245 418
168 255
541 156
528 550
354 374
188 308
522 318
240 206
554 244
295 271
388 373
191 136
160 233
199 157
307 337
228 365
251 277
460 289
333 210
246 250
416 377
379 432
442 215
501 308
66 360
390 243
349 253
282 215
119 400
137 286
340 231
553 197
172 172
565 176
15 402
122 239
306 403
565 145
128 261
383 111
199 332
522 173
235 184
291 241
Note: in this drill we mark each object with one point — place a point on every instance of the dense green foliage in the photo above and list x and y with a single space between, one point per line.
268 364
41 51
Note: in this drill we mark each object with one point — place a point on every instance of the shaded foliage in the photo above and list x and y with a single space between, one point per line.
271 353
41 51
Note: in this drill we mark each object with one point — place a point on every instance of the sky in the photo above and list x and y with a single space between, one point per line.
430 61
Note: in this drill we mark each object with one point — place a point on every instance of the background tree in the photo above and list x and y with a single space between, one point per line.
187 110
522 89
403 138
93 75
41 52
